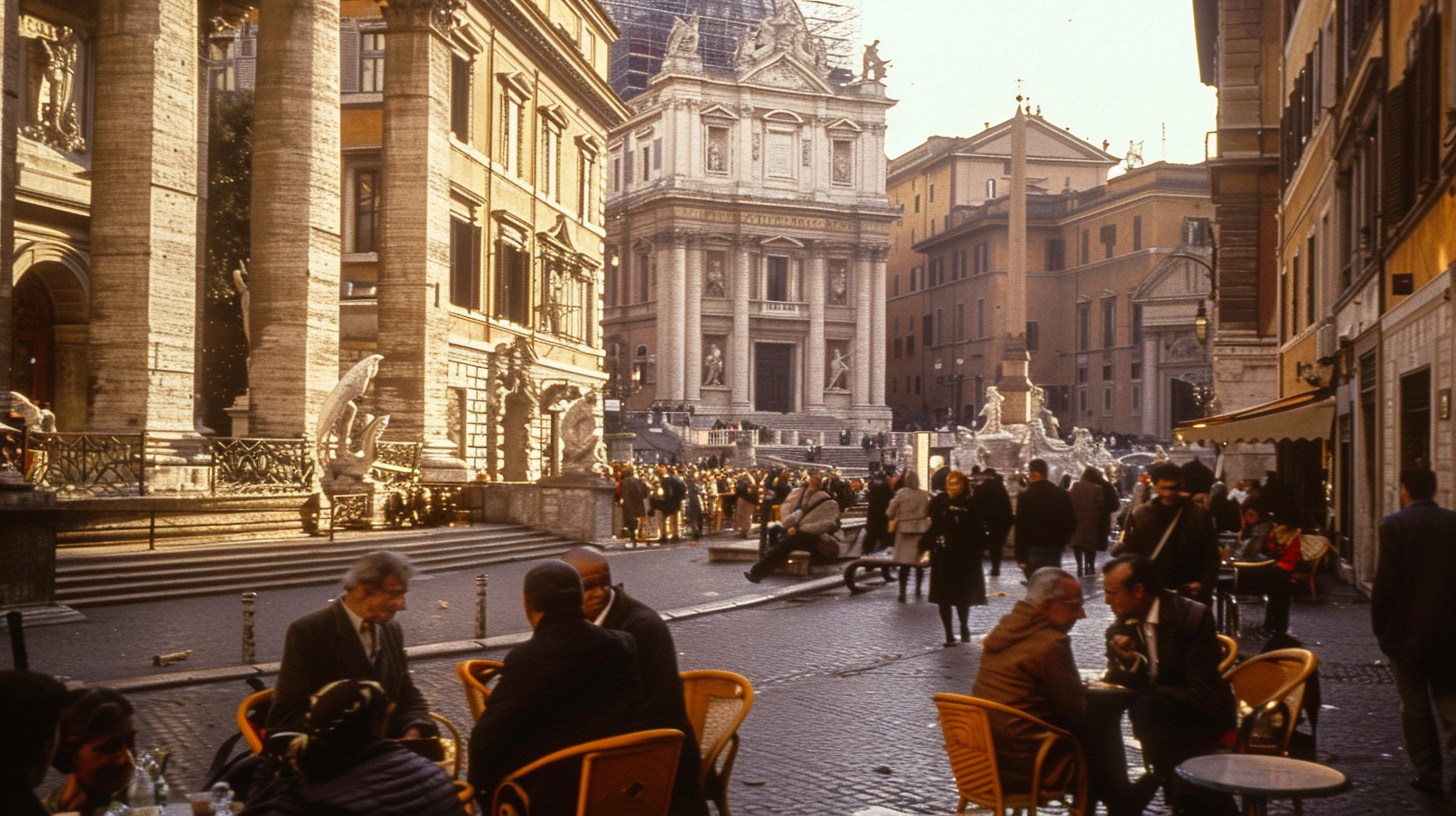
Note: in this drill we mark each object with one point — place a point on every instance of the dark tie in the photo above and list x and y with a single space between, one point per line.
371 640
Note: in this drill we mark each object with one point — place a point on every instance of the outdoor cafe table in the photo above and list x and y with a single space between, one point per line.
1260 778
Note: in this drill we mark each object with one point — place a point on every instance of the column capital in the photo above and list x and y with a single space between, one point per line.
420 15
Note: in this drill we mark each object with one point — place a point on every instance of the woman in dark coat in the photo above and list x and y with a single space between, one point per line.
1095 501
956 580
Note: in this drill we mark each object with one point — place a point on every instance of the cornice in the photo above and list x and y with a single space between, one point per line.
546 52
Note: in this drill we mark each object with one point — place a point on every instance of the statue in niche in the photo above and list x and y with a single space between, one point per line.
873 66
582 451
715 157
838 287
838 368
52 89
342 452
519 410
992 410
245 307
683 40
713 366
715 286
841 167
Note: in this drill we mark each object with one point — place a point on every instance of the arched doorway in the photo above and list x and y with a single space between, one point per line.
50 317
33 343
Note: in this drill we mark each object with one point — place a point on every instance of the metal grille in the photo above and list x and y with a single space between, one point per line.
261 465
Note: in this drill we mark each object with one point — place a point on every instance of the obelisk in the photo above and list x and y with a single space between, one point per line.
1013 382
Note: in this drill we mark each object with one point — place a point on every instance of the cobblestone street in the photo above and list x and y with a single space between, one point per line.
843 720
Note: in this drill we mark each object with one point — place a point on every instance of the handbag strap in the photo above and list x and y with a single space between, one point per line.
1166 534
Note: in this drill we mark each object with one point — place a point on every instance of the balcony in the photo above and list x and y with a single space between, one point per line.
779 308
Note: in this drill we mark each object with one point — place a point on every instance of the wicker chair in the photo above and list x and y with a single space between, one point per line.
1313 550
970 743
627 775
717 703
475 676
1269 689
1230 652
253 715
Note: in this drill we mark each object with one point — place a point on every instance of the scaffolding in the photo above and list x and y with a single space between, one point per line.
645 25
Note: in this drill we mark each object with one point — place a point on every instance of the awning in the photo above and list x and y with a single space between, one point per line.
1305 416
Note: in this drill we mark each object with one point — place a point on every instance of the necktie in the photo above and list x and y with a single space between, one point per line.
371 644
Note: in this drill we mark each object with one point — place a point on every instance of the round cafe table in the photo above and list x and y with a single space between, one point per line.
1261 778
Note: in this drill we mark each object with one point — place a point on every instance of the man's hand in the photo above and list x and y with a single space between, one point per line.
793 531
412 733
1124 647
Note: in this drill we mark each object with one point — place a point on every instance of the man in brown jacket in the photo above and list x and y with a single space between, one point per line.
1026 663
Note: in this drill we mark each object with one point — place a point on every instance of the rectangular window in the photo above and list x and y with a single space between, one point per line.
926 327
223 56
1136 371
550 162
1086 247
371 62
980 318
512 282
1056 254
982 259
1137 233
459 96
778 279
1107 372
616 174
1109 322
512 120
1082 400
1415 417
932 193
899 348
1137 323
586 186
1107 400
647 162
917 385
464 264
1137 399
910 346
960 329
1084 326
1309 284
366 209
1081 374
917 203
1108 237
1033 335
939 326
644 277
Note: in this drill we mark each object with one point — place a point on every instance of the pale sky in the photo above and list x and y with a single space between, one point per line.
1107 69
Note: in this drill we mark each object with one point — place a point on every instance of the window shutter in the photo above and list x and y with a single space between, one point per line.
1395 150
657 154
348 56
247 72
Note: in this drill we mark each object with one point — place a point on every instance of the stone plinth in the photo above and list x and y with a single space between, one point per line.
575 507
28 550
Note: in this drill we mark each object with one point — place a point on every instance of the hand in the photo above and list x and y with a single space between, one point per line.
793 531
1123 646
412 733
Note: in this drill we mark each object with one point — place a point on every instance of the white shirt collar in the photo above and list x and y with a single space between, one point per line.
355 621
611 598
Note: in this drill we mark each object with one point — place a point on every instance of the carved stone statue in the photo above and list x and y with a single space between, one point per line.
519 410
52 88
838 287
35 417
1160 454
838 368
992 410
715 157
713 366
339 452
874 67
785 31
683 40
715 286
582 451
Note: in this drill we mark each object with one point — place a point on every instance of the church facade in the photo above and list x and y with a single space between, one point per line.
747 232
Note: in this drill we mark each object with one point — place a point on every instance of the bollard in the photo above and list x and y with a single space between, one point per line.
480 583
249 641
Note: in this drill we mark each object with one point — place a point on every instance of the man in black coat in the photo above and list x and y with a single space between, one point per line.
611 607
1413 613
1197 478
353 638
1186 558
1183 708
1045 520
993 504
572 682
877 501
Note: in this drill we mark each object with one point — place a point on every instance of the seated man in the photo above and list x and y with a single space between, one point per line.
1026 663
572 682
354 638
807 515
1164 646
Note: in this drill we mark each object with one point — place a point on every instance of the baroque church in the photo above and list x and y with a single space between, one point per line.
747 231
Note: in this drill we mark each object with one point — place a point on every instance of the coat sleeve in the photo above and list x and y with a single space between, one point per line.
1383 594
298 675
515 695
411 707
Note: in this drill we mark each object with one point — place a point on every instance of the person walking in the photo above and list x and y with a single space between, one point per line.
1045 520
958 537
909 515
1094 501
634 495
877 502
1413 613
994 504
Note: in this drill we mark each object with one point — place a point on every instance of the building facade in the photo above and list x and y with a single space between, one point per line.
747 230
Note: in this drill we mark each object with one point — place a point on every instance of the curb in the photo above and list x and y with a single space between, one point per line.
455 648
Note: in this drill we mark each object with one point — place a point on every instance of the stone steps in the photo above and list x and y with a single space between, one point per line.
112 578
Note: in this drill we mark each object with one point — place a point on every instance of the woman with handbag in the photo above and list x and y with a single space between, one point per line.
956 540
909 515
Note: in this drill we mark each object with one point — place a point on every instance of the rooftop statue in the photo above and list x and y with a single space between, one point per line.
874 67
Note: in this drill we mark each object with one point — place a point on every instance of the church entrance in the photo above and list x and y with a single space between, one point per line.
33 341
773 378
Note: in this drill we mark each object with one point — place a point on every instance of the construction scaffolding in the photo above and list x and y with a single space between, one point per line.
645 25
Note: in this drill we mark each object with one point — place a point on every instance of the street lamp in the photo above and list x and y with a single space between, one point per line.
1200 323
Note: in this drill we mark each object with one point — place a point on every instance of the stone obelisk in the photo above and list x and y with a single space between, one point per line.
1013 382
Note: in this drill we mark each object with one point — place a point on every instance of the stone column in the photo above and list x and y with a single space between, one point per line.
9 111
294 271
740 343
144 217
863 312
877 328
693 323
414 225
814 362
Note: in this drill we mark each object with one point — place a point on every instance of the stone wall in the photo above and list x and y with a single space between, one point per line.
574 507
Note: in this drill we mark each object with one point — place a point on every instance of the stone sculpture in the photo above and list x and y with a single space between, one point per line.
992 410
683 40
874 67
582 451
713 366
35 417
339 452
715 285
838 287
838 367
52 89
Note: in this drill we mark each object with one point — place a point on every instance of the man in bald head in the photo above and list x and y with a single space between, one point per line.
572 682
610 606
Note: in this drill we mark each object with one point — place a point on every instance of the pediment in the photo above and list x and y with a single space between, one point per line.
843 125
781 242
559 235
785 72
718 111
1044 142
1174 278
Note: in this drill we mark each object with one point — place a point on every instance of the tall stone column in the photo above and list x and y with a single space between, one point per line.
294 269
863 312
1014 382
740 343
414 257
9 111
877 328
814 364
671 261
143 217
693 323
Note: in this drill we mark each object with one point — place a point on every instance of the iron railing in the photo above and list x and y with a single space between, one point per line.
252 466
87 464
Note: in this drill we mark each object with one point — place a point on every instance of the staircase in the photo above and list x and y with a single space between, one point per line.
850 459
96 579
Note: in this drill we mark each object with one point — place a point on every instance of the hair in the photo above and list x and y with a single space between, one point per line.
90 713
910 479
1419 482
373 569
554 586
1047 582
1165 472
1093 474
30 706
344 718
1038 466
1141 571
581 558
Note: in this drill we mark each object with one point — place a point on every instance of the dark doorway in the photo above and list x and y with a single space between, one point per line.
773 377
1184 402
33 346
1415 418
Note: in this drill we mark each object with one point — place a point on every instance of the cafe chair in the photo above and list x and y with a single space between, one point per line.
1230 652
252 716
451 754
1251 585
627 775
1269 689
1313 550
717 701
970 743
476 676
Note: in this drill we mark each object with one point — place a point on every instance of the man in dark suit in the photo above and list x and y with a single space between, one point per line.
572 682
1045 520
1176 534
1413 613
611 607
353 638
1164 646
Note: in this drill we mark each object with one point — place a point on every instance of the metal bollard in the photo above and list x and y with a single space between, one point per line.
250 642
480 584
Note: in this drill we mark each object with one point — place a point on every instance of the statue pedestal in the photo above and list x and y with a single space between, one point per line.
575 507
28 550
347 509
439 463
238 412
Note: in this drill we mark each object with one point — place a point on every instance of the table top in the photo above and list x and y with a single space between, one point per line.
1267 776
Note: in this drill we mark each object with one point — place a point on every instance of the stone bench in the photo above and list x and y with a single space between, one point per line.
746 551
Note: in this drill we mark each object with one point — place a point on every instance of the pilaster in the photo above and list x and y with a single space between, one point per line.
814 362
671 258
863 311
143 216
693 323
877 328
294 269
740 343
9 111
